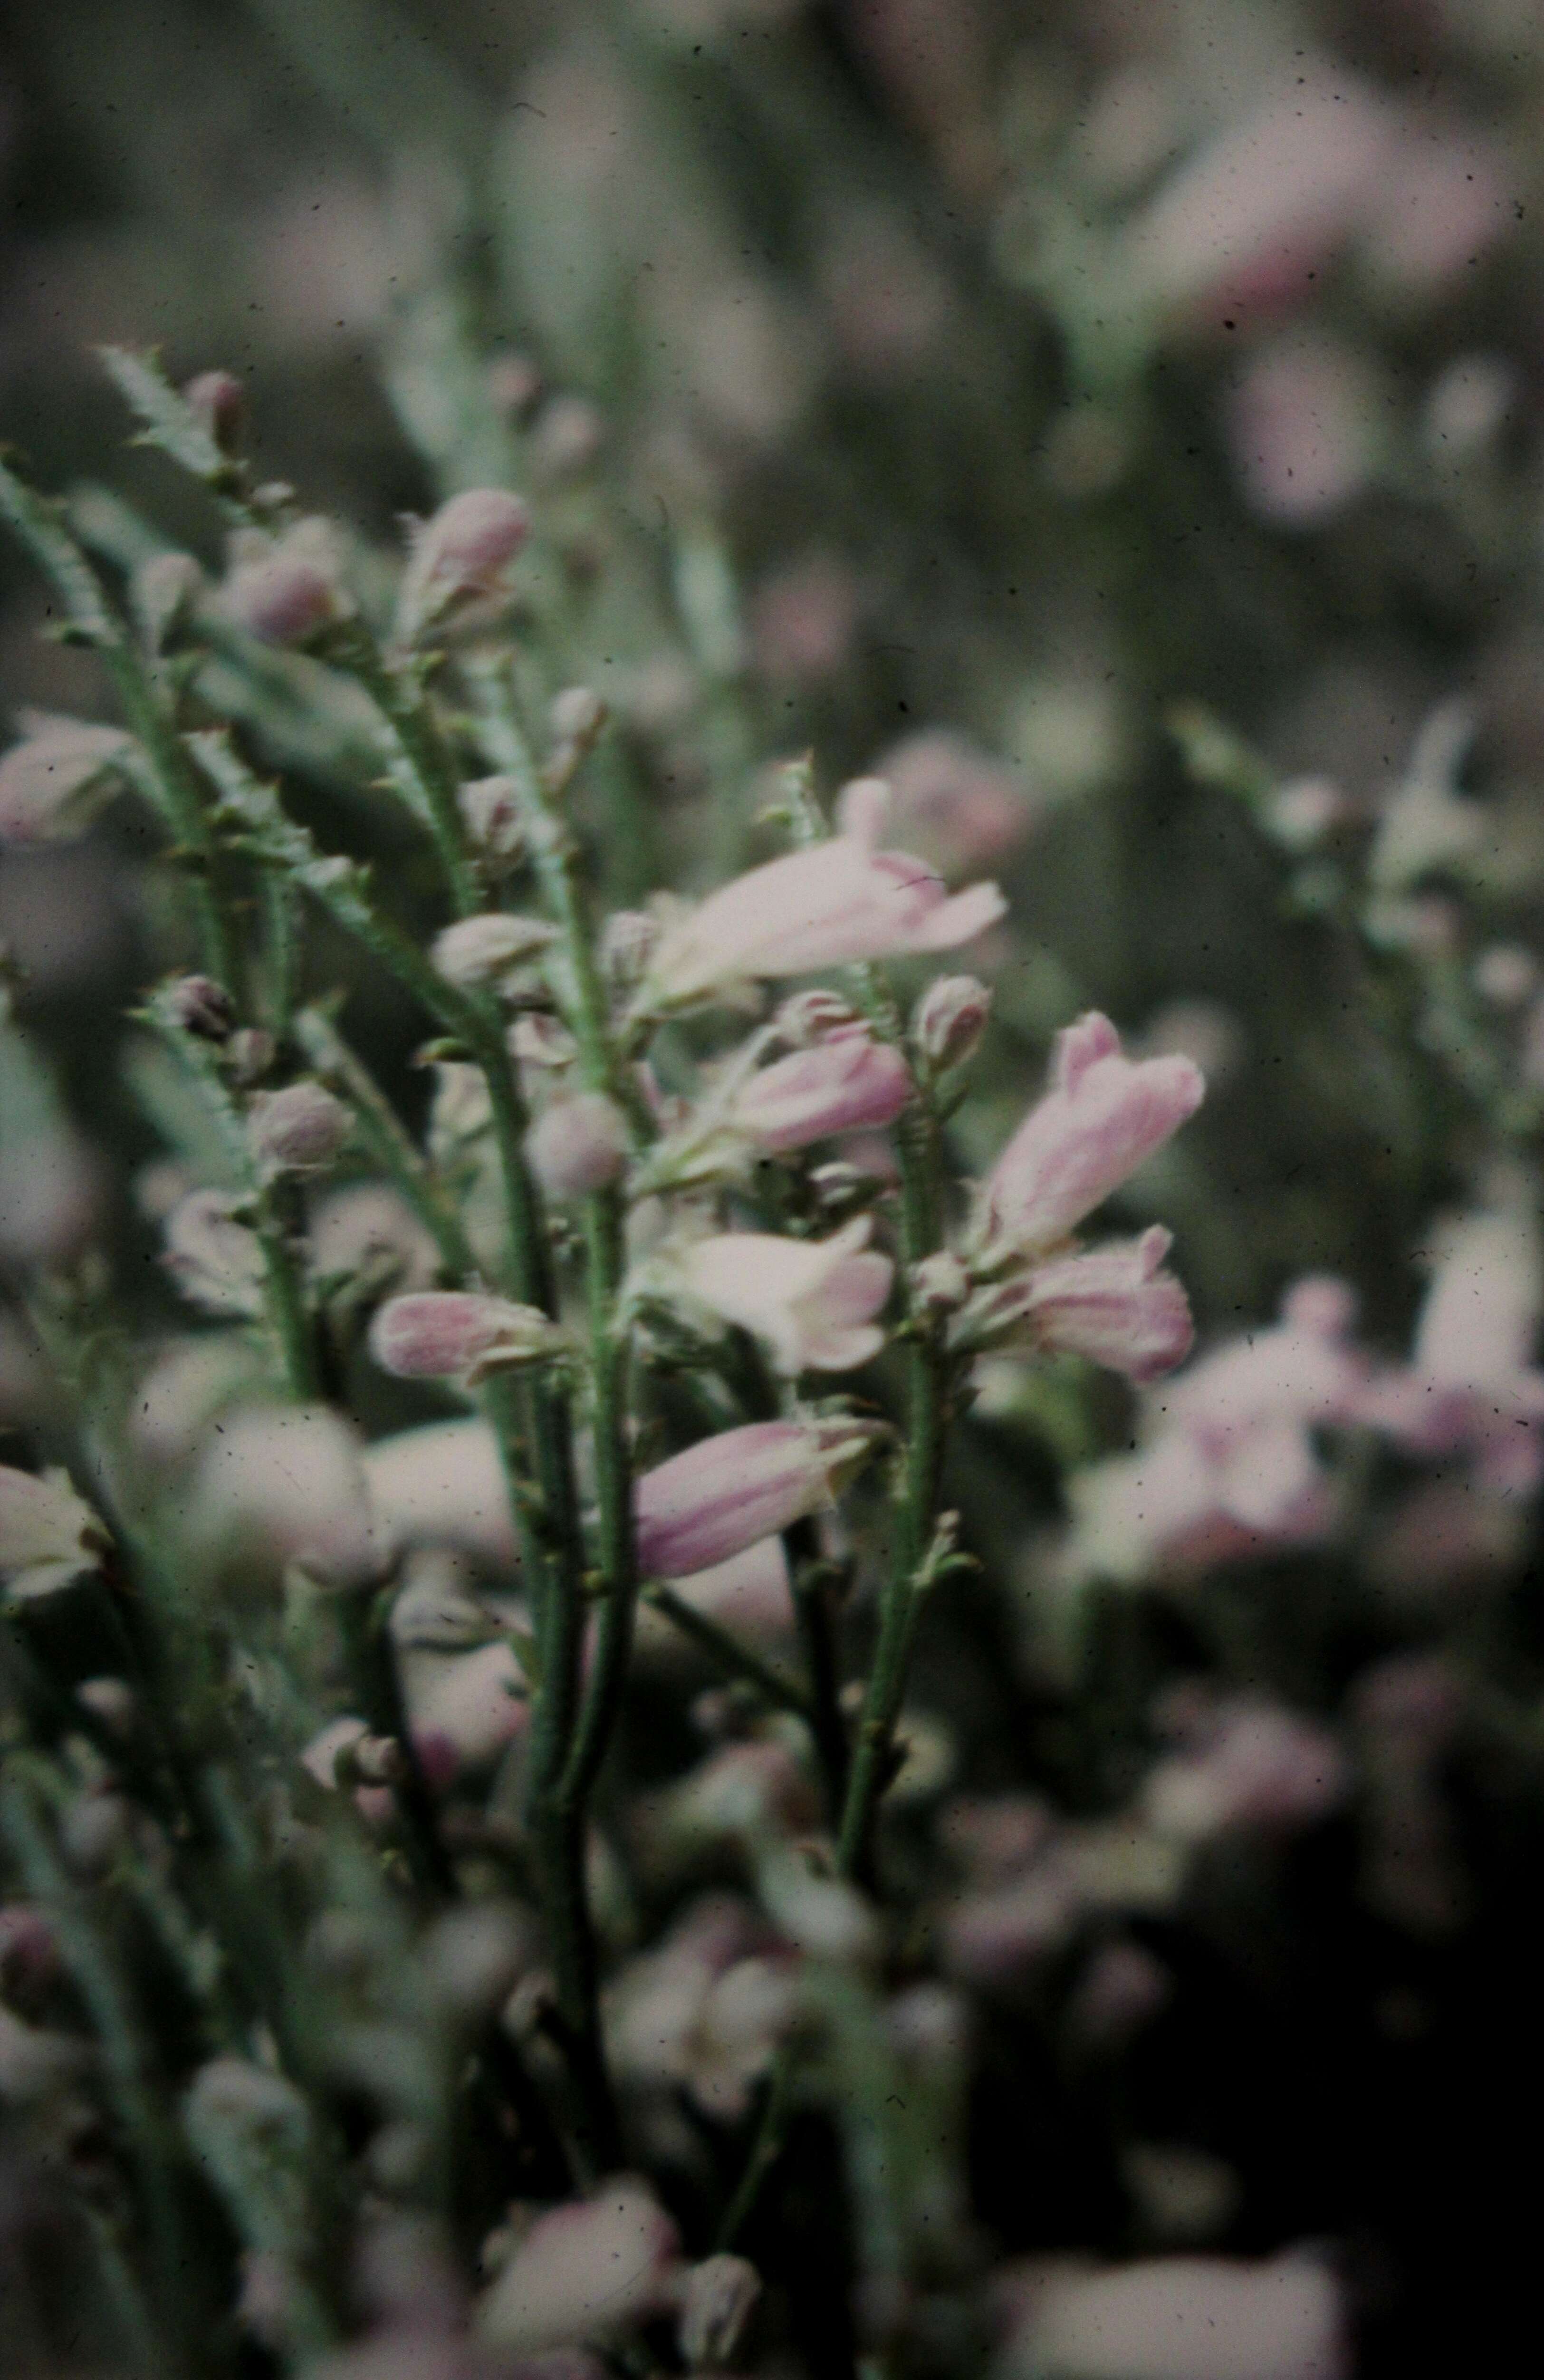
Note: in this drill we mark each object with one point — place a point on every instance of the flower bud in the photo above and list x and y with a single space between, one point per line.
53 784
48 1534
577 714
626 945
284 591
200 1005
813 1017
950 1019
297 1130
489 811
577 1144
940 1284
444 1334
250 1053
460 556
162 591
730 1491
717 2300
217 401
478 950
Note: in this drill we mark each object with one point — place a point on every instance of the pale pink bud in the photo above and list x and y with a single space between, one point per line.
830 906
1114 1304
812 1303
719 2297
214 1260
490 813
962 807
48 1534
730 1491
200 1005
597 2268
52 786
577 1144
461 556
845 1084
577 714
949 1020
286 592
444 1334
298 1130
218 402
482 950
1102 1116
163 590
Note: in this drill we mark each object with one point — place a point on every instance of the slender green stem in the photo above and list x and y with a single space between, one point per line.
420 766
811 1582
382 1133
727 1653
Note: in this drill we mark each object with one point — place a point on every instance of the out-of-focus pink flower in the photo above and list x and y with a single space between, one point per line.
443 1485
483 949
1176 2318
812 1303
286 1483
1251 1765
298 1130
831 905
450 1333
461 557
463 1708
729 1492
802 619
594 2269
577 1144
851 1084
1443 201
950 1019
960 805
1245 219
214 1260
1102 1117
718 2297
53 784
704 2012
1303 424
1114 1304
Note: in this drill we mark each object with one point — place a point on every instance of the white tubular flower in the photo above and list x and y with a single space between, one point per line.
596 2268
831 905
48 1535
441 1334
216 1261
811 1303
484 949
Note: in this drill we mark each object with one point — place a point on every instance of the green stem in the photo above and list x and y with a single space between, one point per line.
727 1653
420 767
811 1580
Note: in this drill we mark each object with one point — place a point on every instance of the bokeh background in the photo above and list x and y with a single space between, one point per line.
1120 424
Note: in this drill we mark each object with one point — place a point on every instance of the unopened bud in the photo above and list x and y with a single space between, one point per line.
217 401
286 592
297 1130
200 1005
627 940
536 1039
461 556
490 813
577 1144
718 2301
162 591
250 1053
441 1334
940 1284
477 950
949 1020
813 1017
577 714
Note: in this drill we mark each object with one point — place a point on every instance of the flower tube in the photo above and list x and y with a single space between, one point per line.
727 1492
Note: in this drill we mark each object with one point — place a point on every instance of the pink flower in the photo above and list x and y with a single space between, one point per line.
847 1085
444 1485
1254 1765
461 557
1102 1116
593 2269
831 905
577 1144
1114 1304
811 1301
443 1333
48 1535
284 591
726 1492
283 1484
